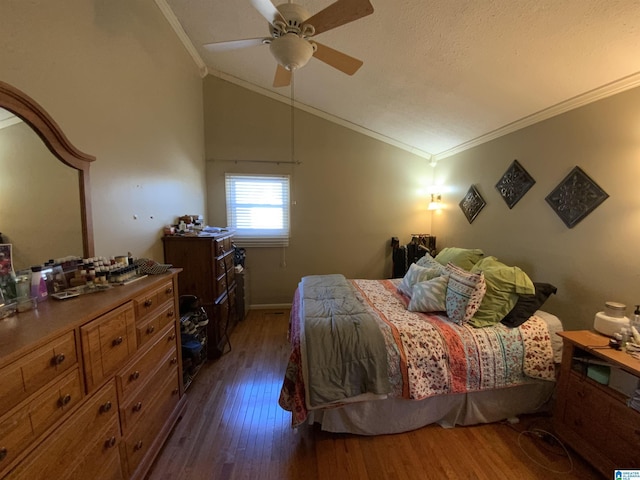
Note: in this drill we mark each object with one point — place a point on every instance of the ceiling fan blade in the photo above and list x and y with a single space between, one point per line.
267 10
339 13
336 59
282 78
233 44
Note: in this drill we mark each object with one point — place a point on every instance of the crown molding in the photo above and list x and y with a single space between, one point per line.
182 35
608 90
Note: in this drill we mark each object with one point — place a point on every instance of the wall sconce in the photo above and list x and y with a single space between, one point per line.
436 202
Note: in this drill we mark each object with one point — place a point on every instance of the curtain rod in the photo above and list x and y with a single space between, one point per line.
278 162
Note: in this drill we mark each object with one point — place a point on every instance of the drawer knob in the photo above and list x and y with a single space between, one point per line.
174 360
138 445
175 391
137 407
135 375
117 341
151 329
105 407
148 303
58 359
170 314
169 291
3 453
111 442
65 400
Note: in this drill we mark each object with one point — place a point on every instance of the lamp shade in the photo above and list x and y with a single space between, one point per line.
291 51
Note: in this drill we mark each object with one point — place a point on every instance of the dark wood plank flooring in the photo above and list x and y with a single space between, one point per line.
234 429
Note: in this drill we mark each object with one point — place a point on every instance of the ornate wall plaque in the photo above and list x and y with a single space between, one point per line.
472 203
515 182
575 197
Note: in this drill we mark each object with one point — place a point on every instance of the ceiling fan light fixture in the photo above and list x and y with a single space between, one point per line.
291 51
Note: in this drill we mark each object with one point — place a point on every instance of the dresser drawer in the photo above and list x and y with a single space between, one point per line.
24 424
23 377
222 246
136 374
224 264
149 327
151 301
107 343
138 441
624 424
138 402
103 461
93 428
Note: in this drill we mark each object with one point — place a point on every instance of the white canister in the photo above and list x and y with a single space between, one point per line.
612 320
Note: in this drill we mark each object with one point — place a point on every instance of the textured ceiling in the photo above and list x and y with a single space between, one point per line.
437 75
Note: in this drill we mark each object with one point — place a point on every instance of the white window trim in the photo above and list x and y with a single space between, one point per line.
261 235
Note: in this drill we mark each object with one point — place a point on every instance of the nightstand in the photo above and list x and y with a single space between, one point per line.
589 415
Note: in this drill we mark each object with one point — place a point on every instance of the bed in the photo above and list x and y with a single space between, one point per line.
363 362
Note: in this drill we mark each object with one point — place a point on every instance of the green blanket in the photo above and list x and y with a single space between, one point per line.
343 351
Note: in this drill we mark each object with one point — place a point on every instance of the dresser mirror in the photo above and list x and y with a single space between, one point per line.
45 207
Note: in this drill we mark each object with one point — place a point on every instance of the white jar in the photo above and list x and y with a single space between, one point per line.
612 320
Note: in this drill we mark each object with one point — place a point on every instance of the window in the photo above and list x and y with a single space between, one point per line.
258 209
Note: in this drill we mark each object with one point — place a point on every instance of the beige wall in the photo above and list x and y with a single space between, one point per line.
599 258
122 87
351 193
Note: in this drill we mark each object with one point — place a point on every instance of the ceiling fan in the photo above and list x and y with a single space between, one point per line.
292 28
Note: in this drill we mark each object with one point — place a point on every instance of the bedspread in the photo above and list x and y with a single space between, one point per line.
342 349
428 355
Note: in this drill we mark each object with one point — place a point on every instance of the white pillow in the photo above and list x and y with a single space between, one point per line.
414 275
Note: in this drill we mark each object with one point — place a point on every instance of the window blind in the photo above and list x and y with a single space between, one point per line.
258 209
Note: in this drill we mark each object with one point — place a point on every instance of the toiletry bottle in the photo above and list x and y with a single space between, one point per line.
38 283
635 320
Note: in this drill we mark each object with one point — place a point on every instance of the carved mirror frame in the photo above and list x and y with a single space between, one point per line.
48 130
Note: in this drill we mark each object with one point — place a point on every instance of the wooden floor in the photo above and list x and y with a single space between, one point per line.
234 429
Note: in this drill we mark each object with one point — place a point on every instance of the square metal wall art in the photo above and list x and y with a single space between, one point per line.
472 203
575 197
515 182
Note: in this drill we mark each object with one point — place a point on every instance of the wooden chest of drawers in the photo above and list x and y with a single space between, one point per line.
592 418
81 377
208 273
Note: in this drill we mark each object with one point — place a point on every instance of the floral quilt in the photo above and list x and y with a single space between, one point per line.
429 355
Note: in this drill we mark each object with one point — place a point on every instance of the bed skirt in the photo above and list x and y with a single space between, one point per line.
396 415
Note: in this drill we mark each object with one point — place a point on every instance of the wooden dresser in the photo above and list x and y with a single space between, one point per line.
91 387
591 417
208 273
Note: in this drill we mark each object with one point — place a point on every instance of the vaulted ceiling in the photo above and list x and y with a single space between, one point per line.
438 76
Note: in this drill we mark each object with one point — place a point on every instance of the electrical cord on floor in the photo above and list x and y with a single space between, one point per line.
226 325
547 440
546 437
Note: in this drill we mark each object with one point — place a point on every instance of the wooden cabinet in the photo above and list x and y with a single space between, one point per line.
91 387
591 417
208 273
